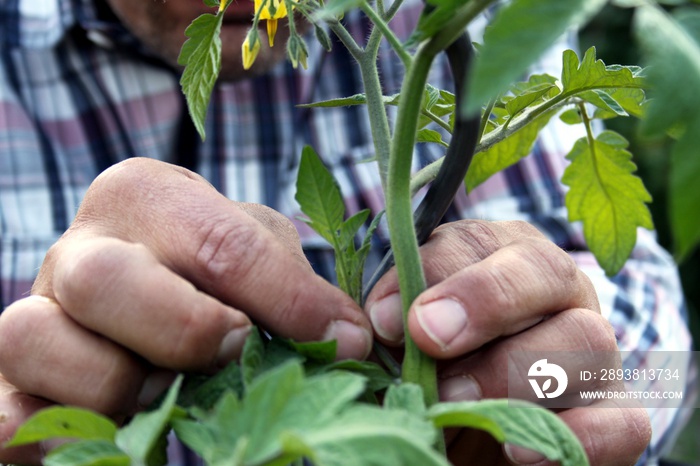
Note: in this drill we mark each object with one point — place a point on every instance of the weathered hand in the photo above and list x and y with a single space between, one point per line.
158 273
498 287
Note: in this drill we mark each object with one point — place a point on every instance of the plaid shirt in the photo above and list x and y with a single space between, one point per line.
78 94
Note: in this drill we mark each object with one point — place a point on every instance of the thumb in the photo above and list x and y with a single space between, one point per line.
15 408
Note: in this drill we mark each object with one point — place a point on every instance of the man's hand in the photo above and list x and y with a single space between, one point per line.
501 287
158 273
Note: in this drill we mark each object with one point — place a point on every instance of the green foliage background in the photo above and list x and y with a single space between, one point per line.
610 33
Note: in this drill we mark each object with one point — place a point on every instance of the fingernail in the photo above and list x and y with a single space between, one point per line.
354 342
522 455
442 320
40 298
460 388
387 318
155 384
231 346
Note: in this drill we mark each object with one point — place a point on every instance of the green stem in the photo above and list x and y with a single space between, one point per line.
417 367
383 27
393 9
437 120
486 116
592 146
379 122
428 173
425 175
380 6
586 123
347 40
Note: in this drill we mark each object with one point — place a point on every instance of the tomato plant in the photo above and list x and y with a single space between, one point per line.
286 401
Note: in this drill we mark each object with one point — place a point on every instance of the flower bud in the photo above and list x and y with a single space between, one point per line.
250 53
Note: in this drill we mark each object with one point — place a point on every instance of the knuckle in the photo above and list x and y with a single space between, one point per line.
80 277
280 225
520 228
127 177
505 298
473 237
502 297
286 313
601 332
553 261
596 333
228 250
196 344
269 217
15 323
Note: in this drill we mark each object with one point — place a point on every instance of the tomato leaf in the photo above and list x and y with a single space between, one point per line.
368 435
252 356
87 453
433 20
141 437
319 351
607 198
318 195
201 57
64 422
516 38
619 89
278 401
407 397
504 153
684 192
429 135
516 422
672 49
204 391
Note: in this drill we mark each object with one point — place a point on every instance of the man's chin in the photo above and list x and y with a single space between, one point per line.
232 36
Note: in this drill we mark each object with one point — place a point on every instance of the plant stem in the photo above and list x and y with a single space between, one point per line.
591 145
425 175
437 120
379 122
486 117
417 367
347 40
383 27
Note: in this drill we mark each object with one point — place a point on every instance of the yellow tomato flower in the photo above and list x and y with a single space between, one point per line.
249 54
274 10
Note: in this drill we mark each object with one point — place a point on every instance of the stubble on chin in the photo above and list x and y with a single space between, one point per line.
232 37
161 28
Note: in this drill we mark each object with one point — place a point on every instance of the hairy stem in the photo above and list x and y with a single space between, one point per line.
383 27
417 367
339 30
379 122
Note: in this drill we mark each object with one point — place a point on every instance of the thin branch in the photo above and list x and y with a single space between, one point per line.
348 41
386 31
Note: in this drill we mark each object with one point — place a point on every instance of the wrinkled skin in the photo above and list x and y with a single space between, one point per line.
160 273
